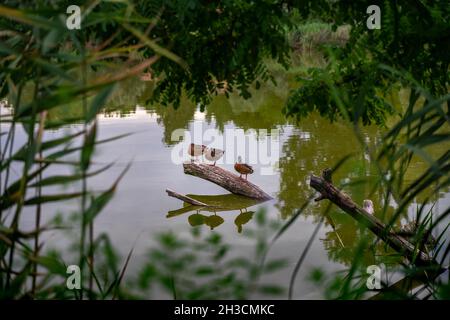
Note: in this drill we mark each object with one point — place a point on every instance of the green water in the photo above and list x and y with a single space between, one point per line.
141 208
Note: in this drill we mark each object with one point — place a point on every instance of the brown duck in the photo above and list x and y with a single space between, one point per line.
243 168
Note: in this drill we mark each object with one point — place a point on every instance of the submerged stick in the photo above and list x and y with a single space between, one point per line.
226 180
187 199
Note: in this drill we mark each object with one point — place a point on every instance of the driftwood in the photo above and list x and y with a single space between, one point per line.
328 191
226 180
187 199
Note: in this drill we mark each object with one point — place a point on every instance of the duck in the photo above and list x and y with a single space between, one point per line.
368 206
196 150
243 168
213 154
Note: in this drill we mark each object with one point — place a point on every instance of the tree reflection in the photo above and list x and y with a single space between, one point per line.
262 111
171 119
314 145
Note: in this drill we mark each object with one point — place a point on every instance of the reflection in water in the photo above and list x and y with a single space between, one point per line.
263 114
128 94
308 147
225 203
172 119
199 219
242 219
317 144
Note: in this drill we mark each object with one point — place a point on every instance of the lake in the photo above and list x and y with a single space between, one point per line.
141 208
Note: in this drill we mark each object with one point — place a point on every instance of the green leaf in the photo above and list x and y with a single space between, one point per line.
261 217
274 265
15 290
98 203
99 101
88 147
273 290
204 271
52 198
155 47
317 275
56 142
64 179
53 265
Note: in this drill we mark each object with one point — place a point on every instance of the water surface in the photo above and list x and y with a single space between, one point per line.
141 208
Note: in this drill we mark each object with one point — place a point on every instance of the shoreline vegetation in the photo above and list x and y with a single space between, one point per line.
335 69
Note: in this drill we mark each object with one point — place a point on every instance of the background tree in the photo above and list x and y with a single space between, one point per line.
414 38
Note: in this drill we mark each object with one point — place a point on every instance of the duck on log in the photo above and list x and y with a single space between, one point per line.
225 179
328 191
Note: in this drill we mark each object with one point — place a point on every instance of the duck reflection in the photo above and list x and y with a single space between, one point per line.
209 216
198 219
242 219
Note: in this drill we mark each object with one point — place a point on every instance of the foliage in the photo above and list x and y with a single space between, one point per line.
203 267
410 51
414 38
211 46
353 86
45 68
222 44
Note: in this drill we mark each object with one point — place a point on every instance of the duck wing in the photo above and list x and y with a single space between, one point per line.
248 167
213 154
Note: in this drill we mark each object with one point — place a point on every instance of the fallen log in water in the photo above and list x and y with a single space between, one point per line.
226 180
187 199
328 191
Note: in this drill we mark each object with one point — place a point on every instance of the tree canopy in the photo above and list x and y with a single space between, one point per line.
212 46
414 40
220 44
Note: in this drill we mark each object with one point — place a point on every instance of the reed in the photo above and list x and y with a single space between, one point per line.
45 67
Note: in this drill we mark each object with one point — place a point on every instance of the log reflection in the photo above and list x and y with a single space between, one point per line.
209 215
